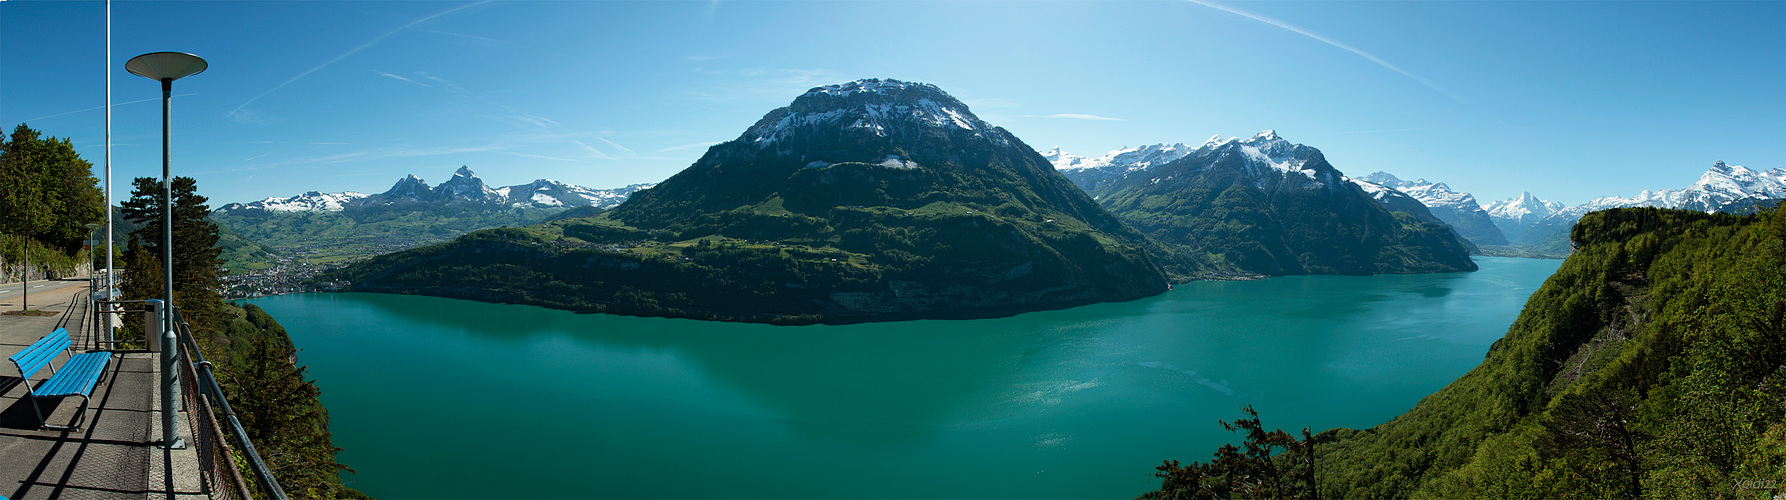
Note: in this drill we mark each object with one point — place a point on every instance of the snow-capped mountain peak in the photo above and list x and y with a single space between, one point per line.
465 185
877 107
1525 207
1740 181
1063 160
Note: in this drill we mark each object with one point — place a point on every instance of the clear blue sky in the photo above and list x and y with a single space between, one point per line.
1569 100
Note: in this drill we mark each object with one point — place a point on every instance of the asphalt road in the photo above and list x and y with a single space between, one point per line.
12 290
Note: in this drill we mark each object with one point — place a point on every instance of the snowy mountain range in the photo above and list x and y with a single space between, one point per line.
1526 220
464 187
1088 173
1530 221
1720 187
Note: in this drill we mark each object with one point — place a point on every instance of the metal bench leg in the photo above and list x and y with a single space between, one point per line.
80 418
35 410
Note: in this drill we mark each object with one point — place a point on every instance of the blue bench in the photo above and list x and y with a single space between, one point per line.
77 377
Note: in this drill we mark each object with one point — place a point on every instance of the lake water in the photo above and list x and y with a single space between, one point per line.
445 398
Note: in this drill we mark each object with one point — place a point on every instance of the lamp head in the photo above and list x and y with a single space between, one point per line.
165 66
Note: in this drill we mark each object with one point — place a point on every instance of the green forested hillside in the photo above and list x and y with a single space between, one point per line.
1653 363
767 264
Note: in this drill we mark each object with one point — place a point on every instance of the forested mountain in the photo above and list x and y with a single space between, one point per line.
1264 205
869 200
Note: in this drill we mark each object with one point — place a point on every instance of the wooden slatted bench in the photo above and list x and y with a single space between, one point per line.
77 377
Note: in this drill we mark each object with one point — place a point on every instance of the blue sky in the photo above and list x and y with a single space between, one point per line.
1568 100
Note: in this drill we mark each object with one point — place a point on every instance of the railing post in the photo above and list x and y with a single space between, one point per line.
153 324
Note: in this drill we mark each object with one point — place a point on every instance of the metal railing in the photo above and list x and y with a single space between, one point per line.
218 473
200 395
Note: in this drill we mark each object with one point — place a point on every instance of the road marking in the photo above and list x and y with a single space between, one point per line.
38 286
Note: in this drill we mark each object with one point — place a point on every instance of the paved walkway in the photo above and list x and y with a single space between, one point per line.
116 453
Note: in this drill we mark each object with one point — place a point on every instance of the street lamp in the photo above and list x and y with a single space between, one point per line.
167 67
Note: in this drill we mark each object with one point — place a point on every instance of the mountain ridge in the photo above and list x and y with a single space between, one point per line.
464 186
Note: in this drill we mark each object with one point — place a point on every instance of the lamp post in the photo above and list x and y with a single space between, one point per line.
92 281
92 274
166 67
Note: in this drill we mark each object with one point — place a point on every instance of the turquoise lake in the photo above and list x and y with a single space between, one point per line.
442 398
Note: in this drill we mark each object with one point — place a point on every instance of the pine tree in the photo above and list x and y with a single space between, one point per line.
196 263
141 280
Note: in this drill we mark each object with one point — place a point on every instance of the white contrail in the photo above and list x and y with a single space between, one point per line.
1317 36
351 52
66 113
1078 116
